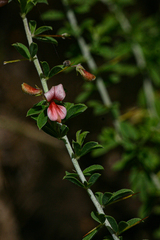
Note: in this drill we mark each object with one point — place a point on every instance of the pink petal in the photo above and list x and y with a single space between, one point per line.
59 92
56 92
50 94
56 112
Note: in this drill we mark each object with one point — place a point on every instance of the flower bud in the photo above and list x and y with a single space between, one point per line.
86 75
3 2
67 63
31 90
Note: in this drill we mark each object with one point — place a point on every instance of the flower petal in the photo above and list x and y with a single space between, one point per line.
50 94
56 92
56 112
59 92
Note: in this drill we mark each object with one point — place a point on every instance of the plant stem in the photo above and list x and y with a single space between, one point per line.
91 194
36 61
65 138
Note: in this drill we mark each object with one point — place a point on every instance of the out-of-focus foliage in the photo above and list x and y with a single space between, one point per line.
118 58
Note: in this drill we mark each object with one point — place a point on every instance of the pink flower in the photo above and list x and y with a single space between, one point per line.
56 112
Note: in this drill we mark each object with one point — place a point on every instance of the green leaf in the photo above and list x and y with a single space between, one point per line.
75 110
93 168
100 218
131 223
81 136
106 197
45 68
47 128
63 131
88 147
42 119
122 226
33 48
120 194
46 39
71 174
23 4
37 108
55 70
74 180
42 29
76 148
32 26
91 234
99 196
93 179
22 49
52 15
113 223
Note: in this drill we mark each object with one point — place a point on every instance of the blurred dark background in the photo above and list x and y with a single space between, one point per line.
35 202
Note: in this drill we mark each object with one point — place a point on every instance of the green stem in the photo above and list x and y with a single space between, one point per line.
36 61
65 138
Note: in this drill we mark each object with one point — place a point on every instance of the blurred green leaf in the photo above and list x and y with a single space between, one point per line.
42 29
52 15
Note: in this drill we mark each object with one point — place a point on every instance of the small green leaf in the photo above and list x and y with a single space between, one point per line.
93 168
76 148
119 195
75 110
91 234
93 179
22 49
74 180
47 128
55 70
81 136
106 197
46 39
100 218
37 108
71 174
45 68
33 48
89 146
23 4
42 119
131 223
63 131
42 29
99 196
122 226
32 26
113 223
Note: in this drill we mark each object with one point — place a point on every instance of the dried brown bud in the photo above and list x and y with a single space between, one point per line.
3 2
